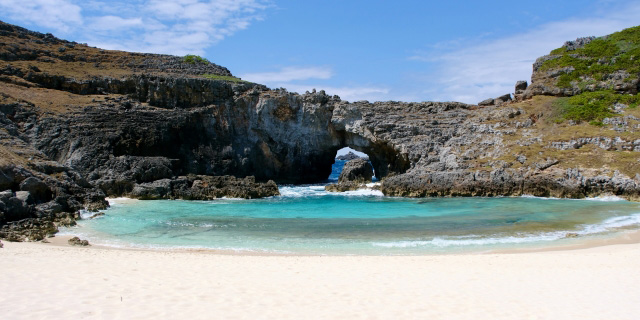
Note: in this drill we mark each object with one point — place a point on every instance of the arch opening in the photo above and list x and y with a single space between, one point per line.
343 156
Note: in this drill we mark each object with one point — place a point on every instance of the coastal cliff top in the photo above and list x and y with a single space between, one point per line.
31 51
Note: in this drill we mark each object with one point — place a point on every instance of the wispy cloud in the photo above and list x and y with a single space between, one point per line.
161 26
111 23
296 79
491 68
287 74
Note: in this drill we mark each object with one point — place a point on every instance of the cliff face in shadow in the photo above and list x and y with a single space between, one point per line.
90 123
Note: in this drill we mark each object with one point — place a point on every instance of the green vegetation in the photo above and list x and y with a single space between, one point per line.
225 78
602 56
193 59
592 106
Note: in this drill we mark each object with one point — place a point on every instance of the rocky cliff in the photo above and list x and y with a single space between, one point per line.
88 123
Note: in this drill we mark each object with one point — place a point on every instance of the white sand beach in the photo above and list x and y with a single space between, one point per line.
49 281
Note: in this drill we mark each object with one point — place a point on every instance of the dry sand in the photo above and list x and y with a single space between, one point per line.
48 281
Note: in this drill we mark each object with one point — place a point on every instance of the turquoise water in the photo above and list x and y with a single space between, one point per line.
308 220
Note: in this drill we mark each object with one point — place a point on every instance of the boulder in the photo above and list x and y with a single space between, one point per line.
25 196
342 187
212 187
27 229
38 189
487 102
546 164
503 98
200 187
5 195
17 209
75 241
160 189
521 86
358 170
11 176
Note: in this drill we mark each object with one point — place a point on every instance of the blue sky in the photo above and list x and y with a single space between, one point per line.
360 50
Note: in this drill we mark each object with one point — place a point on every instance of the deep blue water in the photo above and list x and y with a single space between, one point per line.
306 219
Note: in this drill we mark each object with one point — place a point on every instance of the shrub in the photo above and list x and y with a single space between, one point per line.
593 106
193 59
605 55
224 78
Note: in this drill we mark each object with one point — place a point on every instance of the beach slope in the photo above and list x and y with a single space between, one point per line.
59 282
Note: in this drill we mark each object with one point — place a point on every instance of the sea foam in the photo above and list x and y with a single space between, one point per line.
607 225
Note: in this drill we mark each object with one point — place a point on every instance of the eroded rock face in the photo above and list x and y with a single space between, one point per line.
355 174
204 188
357 170
545 81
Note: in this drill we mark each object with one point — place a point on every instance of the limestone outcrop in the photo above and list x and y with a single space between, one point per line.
356 170
355 174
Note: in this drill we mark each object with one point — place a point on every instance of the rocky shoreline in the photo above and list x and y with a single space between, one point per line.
80 124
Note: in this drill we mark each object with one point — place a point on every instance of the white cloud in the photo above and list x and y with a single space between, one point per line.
287 74
491 68
161 26
180 26
60 15
111 23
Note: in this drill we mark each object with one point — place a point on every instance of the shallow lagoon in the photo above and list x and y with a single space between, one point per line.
306 219
309 220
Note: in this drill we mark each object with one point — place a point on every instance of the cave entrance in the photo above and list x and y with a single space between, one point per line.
342 157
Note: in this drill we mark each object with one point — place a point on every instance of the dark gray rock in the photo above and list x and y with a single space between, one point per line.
521 86
487 102
17 209
37 189
198 187
31 229
355 174
5 195
344 186
546 164
357 170
503 98
75 241
160 189
25 197
578 43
